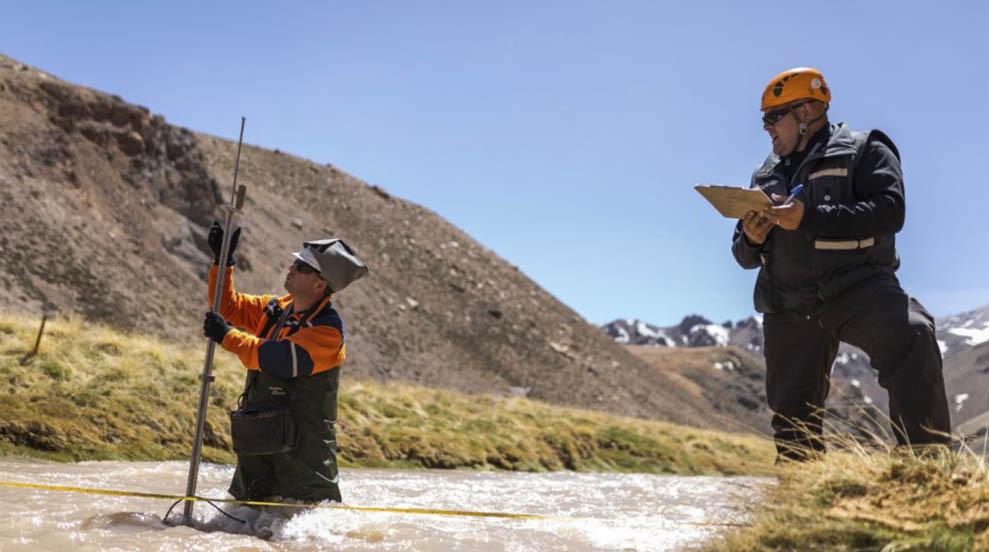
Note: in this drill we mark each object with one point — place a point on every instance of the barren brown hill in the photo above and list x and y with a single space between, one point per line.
729 380
104 210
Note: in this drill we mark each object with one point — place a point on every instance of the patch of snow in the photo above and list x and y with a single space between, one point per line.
758 318
960 401
667 340
645 330
718 333
856 383
642 332
975 337
943 346
718 366
842 359
867 400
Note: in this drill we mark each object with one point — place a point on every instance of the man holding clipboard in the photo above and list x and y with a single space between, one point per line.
824 244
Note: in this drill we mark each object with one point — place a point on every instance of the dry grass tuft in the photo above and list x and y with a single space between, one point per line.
875 497
94 393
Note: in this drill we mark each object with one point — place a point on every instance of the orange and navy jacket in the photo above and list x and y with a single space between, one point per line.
304 345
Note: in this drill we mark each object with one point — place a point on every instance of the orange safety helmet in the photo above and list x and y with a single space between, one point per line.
799 83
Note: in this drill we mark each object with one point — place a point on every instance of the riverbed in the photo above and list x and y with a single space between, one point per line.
578 511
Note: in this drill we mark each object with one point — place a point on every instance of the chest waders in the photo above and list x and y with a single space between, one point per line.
263 427
284 429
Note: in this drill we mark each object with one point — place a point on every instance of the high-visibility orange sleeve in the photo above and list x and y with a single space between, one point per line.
239 309
244 345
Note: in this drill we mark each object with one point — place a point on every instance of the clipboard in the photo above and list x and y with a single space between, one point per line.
734 202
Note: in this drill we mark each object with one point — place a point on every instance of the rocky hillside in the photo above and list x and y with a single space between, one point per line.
964 341
728 379
103 212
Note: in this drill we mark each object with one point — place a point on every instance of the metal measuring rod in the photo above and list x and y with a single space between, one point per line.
236 203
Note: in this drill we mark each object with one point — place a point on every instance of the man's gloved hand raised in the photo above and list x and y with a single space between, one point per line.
215 241
215 327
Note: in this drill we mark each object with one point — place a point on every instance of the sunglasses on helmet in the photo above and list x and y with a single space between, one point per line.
304 268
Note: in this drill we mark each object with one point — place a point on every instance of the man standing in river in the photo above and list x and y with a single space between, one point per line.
293 347
827 260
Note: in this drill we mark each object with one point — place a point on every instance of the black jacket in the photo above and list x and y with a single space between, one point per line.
853 190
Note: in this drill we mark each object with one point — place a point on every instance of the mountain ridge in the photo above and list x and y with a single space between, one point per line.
105 207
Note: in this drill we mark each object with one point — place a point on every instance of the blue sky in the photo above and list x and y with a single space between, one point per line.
565 136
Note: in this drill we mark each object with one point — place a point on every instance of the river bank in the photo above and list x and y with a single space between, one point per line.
92 393
95 394
876 498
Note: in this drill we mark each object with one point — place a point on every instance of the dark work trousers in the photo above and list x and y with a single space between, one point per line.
898 335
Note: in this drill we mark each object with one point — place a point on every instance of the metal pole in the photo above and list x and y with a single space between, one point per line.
236 202
37 342
41 331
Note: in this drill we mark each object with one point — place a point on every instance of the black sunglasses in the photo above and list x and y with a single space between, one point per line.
774 116
304 268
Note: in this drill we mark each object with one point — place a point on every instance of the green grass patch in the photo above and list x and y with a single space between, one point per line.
93 394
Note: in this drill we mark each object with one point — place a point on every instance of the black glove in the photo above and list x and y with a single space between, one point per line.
215 241
215 327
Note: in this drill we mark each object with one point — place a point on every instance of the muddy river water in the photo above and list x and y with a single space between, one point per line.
584 511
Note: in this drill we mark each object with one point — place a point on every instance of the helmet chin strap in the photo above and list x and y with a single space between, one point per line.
802 129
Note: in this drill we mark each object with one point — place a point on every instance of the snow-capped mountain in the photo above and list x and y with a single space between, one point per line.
963 339
692 331
970 329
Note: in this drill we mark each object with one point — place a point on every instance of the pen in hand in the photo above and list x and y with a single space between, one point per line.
788 214
793 193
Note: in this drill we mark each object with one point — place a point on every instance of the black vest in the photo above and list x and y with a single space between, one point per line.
796 277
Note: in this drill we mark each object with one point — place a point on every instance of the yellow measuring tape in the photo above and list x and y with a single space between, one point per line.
416 511
420 511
